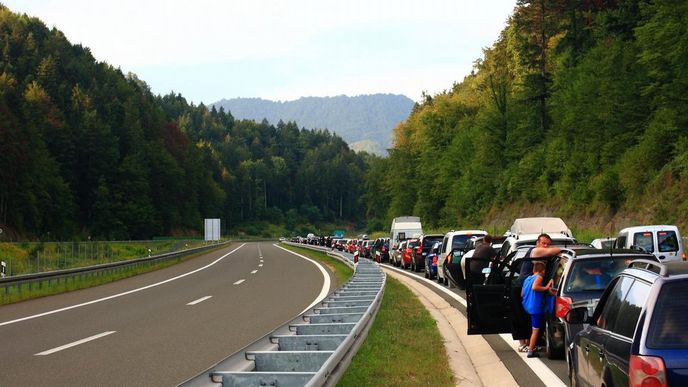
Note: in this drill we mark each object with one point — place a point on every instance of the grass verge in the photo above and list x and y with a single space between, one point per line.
403 347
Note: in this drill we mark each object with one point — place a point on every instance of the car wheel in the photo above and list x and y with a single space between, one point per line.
552 353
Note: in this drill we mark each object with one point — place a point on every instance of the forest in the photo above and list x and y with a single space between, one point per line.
579 109
89 152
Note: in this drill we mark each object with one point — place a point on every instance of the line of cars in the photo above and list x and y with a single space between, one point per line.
604 310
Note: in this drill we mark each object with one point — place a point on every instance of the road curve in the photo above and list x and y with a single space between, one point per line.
160 335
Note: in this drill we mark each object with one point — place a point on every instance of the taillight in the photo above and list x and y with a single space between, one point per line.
419 249
434 260
562 306
646 371
685 258
383 249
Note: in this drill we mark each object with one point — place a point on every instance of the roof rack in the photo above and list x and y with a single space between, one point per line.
646 263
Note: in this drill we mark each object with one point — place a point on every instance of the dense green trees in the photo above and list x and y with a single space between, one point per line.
88 151
578 108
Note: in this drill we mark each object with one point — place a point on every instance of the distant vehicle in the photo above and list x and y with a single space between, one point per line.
432 259
403 227
407 253
637 333
603 243
399 254
663 241
381 250
422 249
525 231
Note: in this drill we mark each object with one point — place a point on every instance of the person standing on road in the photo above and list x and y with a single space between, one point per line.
542 249
533 299
485 250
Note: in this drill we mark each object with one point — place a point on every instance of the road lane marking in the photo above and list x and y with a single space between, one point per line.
74 344
239 282
120 294
254 272
260 265
544 373
326 279
199 300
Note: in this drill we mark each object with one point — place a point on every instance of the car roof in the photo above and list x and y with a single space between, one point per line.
466 232
585 251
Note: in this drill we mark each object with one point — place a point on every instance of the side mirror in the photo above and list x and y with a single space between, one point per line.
577 316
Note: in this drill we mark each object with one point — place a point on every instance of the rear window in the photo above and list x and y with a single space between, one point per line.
459 241
428 242
412 244
594 274
667 241
644 240
669 323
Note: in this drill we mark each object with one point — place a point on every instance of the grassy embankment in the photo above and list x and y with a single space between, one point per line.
42 257
403 347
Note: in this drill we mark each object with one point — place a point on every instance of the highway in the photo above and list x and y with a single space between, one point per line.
160 328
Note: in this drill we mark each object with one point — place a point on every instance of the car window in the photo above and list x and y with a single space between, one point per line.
459 241
669 324
644 240
610 310
631 308
427 242
593 274
620 241
667 241
412 244
561 265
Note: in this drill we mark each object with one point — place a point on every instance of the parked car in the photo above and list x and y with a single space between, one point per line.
381 250
422 249
449 267
603 243
431 260
664 241
407 253
637 334
399 253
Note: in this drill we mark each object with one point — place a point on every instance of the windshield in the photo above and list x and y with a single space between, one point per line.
594 274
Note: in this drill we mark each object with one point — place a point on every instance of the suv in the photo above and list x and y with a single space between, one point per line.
422 249
637 333
448 265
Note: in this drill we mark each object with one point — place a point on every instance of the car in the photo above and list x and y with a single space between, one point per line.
449 266
407 252
381 250
367 247
398 256
469 249
636 335
431 260
425 242
664 241
603 243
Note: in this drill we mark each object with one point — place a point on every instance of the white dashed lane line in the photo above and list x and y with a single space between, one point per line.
239 282
254 272
199 300
74 344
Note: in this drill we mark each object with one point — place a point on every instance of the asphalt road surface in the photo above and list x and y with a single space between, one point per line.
156 329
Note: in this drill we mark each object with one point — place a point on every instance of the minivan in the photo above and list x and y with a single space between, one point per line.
663 241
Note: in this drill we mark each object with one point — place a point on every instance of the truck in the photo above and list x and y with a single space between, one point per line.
403 227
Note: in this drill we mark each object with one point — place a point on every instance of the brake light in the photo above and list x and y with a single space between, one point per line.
646 371
419 249
562 306
434 260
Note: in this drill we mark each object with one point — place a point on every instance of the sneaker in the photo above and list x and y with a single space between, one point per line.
523 348
533 354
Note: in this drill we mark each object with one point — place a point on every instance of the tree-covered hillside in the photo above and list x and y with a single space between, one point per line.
579 109
355 119
88 151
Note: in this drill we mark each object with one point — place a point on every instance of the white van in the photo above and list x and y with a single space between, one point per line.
664 241
403 227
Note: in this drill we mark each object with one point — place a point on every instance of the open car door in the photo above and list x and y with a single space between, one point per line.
493 292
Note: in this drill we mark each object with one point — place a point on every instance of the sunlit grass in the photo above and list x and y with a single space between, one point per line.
403 347
341 271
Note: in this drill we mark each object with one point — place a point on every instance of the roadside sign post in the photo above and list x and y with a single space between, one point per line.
3 269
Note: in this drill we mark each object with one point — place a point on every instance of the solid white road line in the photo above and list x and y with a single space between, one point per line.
261 265
120 294
199 300
74 344
254 272
326 279
539 368
239 282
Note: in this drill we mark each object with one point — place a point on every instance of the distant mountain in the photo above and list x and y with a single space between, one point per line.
365 120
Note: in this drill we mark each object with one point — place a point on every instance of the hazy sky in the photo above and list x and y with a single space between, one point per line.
281 49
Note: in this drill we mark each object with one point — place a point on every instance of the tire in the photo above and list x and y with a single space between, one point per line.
552 353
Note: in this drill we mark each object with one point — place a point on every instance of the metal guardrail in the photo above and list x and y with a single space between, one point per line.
20 280
315 348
